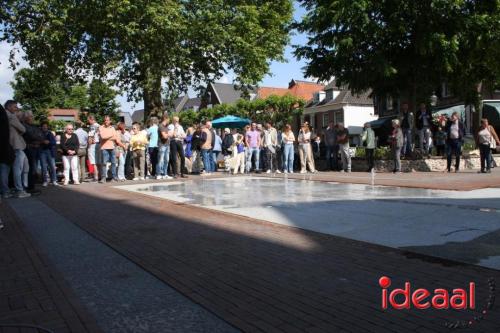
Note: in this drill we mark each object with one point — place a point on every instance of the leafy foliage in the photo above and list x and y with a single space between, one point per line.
402 46
144 43
279 110
37 92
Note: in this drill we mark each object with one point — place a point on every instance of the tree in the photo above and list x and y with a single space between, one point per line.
145 43
396 47
279 110
101 100
37 92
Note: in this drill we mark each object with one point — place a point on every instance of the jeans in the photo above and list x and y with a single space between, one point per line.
153 159
288 155
4 178
369 158
215 155
251 152
108 155
19 170
33 155
485 152
425 135
121 165
163 160
346 157
407 141
454 147
331 157
48 166
396 154
207 159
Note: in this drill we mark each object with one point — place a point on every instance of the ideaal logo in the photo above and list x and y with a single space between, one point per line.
441 299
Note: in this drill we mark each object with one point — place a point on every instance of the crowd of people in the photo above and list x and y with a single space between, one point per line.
91 152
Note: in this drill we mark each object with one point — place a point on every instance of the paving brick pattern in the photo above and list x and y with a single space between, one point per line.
31 292
263 277
462 181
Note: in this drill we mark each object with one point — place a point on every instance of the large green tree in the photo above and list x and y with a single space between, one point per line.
402 46
147 44
37 92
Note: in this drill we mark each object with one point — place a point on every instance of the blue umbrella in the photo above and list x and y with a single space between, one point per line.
231 122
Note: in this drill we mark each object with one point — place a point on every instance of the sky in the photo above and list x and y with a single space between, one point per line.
281 73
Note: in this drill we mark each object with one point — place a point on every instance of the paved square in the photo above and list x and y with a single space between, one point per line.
421 219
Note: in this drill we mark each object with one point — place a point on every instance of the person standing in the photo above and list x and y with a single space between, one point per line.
7 154
440 141
94 147
206 148
177 136
109 141
343 142
424 122
16 131
253 143
397 141
83 139
288 149
122 149
368 137
455 132
48 156
138 145
33 138
163 148
305 151
152 132
216 150
332 149
270 142
484 138
407 121
69 147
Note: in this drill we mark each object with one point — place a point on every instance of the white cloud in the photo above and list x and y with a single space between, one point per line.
6 73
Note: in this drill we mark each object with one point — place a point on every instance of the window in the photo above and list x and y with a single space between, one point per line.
445 90
325 119
389 103
339 116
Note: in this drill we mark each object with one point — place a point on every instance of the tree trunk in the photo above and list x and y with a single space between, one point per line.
478 109
153 103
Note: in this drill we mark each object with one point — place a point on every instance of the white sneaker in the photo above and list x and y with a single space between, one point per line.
277 171
22 194
286 171
303 172
45 184
167 177
159 177
55 184
135 179
142 178
291 171
65 183
268 171
76 183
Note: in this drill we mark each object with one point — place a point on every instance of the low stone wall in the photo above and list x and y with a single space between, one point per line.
471 162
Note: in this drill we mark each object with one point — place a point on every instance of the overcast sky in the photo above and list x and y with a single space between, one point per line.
282 73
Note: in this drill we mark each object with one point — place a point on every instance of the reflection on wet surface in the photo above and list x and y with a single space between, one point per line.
439 223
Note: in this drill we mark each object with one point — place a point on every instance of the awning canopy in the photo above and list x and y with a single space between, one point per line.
230 122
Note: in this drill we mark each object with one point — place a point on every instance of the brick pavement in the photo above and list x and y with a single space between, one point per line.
462 181
32 292
260 276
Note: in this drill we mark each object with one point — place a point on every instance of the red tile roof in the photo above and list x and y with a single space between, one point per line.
303 89
63 112
265 92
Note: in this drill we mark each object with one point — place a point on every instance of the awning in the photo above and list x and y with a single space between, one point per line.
448 111
381 122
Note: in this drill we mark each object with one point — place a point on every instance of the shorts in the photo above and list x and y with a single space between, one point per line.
94 154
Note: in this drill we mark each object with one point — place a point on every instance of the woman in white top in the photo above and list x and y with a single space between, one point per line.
288 139
486 136
305 151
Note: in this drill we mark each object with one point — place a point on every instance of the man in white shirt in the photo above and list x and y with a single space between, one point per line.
177 135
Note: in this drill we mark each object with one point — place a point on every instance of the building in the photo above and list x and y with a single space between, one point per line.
339 105
125 118
69 115
180 104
